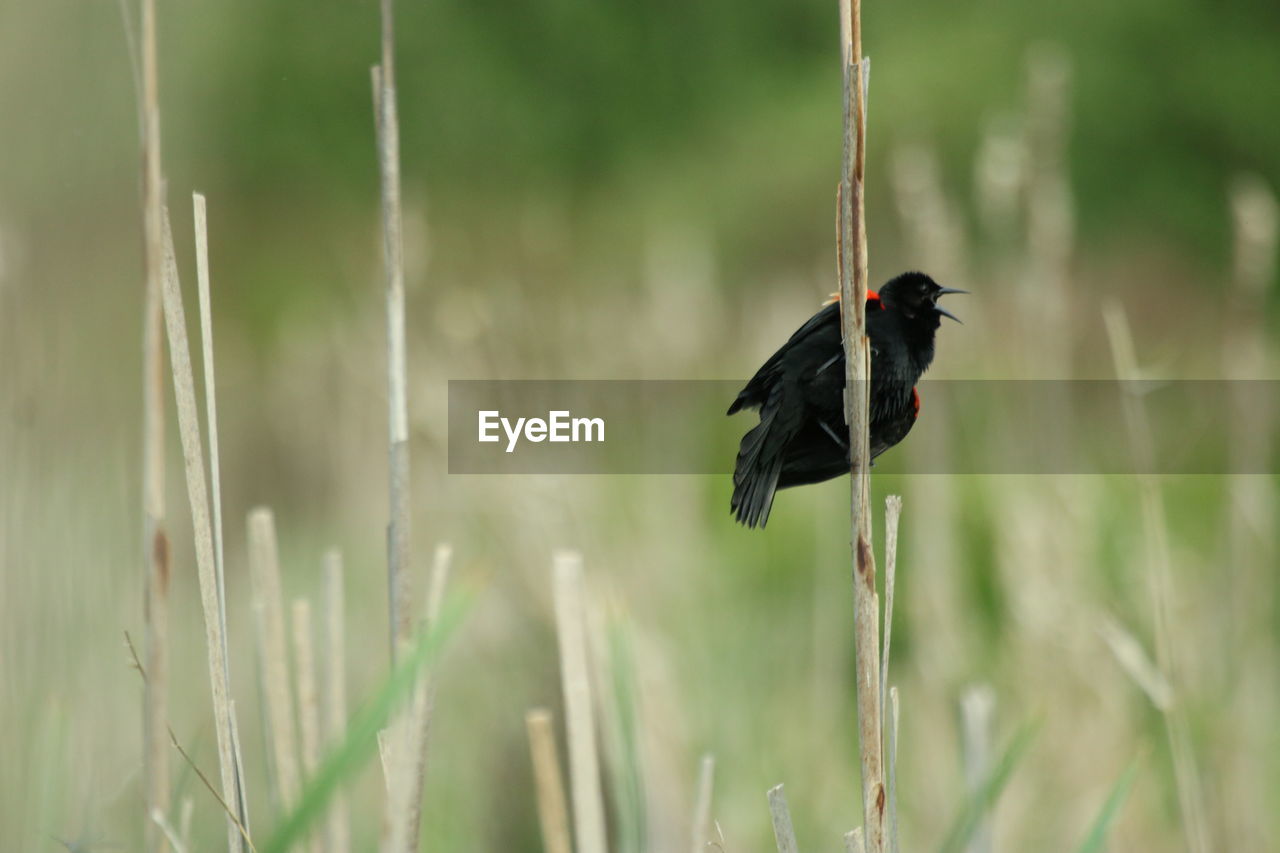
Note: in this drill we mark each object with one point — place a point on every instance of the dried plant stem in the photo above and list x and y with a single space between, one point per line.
200 215
405 804
702 804
387 125
1160 579
198 495
155 542
977 713
852 262
553 812
892 514
171 835
584 763
268 606
308 699
184 820
243 805
200 219
891 743
784 834
335 691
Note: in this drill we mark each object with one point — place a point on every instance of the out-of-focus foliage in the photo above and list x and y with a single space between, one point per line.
627 188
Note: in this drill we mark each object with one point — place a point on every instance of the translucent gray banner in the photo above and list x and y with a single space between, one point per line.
965 427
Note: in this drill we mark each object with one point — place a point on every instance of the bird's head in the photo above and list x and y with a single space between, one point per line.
916 296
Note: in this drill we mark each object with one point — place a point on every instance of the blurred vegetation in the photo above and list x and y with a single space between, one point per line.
625 189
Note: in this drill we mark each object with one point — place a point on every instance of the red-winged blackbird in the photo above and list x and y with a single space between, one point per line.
802 436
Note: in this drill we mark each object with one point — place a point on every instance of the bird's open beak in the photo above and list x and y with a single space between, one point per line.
943 291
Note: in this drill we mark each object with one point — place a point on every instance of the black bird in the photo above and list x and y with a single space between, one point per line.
802 436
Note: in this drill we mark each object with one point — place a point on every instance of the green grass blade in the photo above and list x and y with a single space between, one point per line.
627 772
1095 841
361 739
966 823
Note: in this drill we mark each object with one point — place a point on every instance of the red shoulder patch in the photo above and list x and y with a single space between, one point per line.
915 404
873 299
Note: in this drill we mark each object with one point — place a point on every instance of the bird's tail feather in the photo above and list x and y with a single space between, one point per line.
755 476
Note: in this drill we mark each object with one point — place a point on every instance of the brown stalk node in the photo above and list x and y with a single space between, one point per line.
160 552
866 563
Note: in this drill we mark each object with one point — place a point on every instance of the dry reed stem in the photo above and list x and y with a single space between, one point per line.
1160 580
784 834
851 254
405 815
155 542
308 697
200 219
584 763
977 713
335 691
548 781
171 835
702 804
1133 659
185 811
854 842
406 738
387 127
891 737
201 222
268 603
198 496
243 805
892 514
304 660
386 759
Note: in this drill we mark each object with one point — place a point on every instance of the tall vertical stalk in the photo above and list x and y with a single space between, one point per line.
852 263
387 124
155 542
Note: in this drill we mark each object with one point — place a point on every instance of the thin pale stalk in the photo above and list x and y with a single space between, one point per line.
407 821
1160 580
386 759
702 804
584 763
198 496
308 699
892 737
892 513
200 219
185 811
335 691
200 214
171 835
387 126
264 574
243 806
784 834
553 811
977 712
1133 659
155 541
404 799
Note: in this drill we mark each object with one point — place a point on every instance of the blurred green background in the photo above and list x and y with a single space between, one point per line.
620 189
